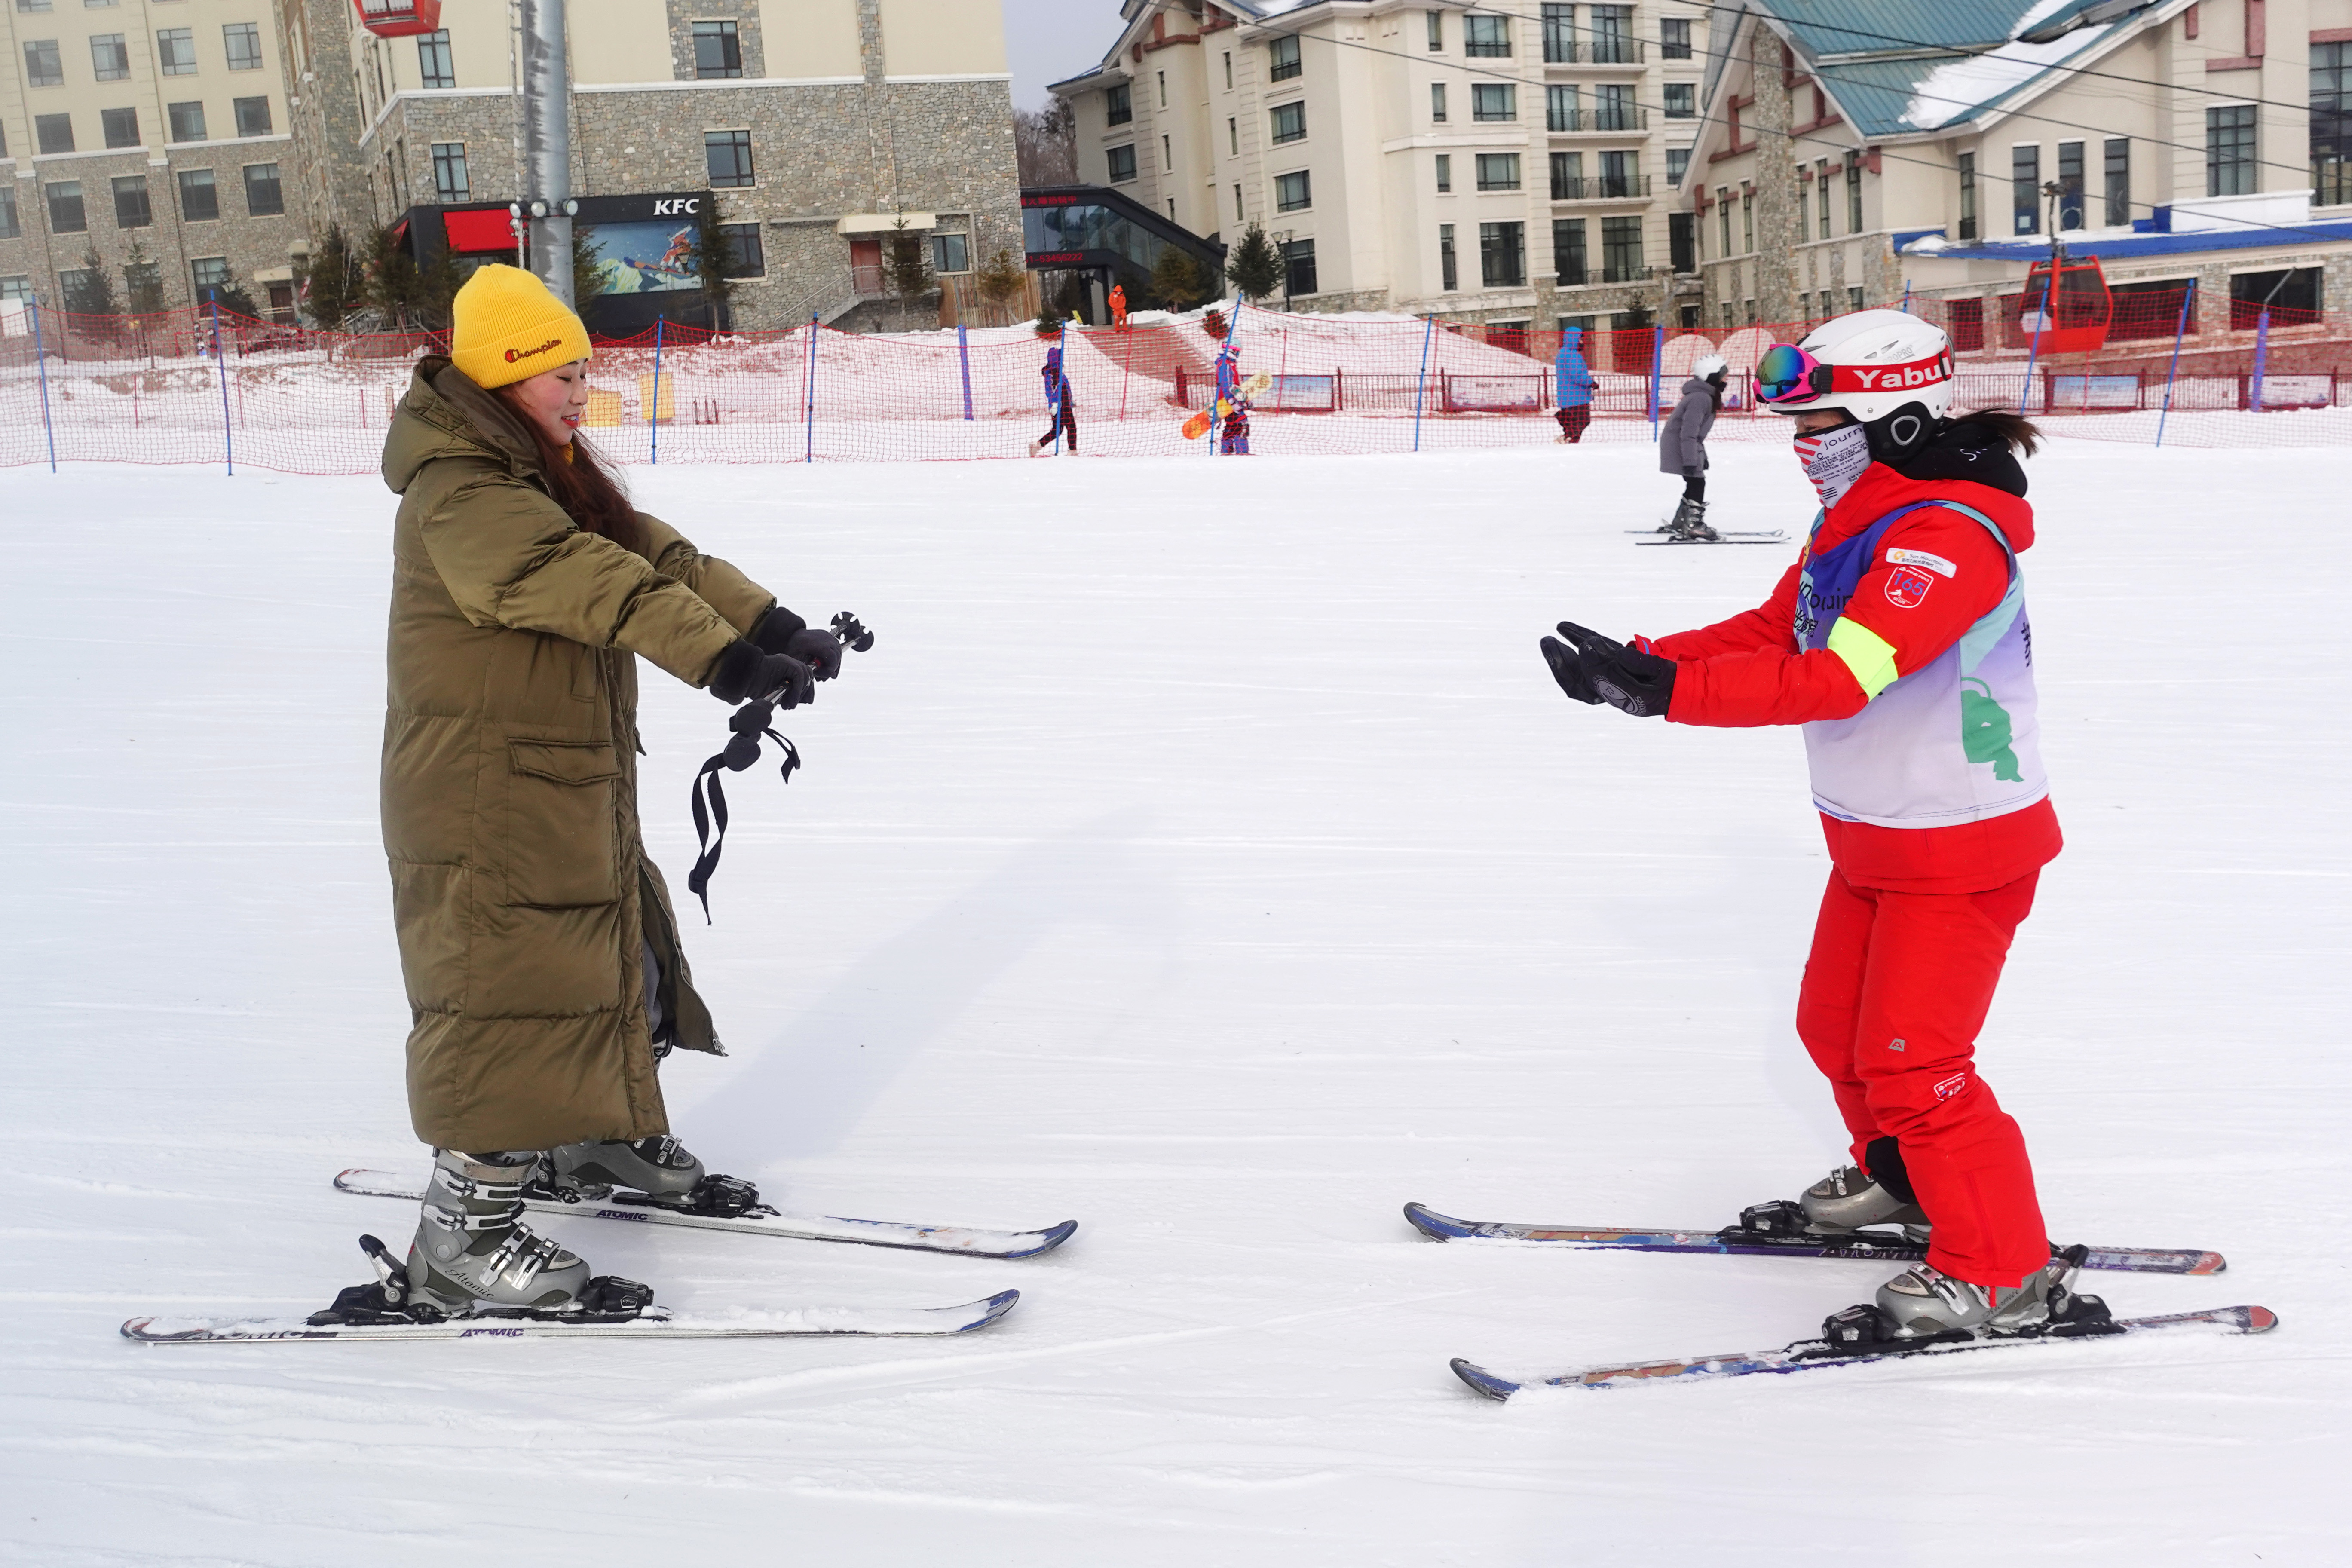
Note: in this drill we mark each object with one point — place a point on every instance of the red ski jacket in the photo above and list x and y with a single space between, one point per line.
1747 671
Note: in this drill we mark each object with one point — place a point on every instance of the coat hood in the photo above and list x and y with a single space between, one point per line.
1963 462
445 415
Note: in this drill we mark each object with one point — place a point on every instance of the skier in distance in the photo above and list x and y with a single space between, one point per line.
537 940
1900 642
1572 388
1682 445
1061 409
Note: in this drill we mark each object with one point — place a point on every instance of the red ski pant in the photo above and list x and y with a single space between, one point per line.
1896 989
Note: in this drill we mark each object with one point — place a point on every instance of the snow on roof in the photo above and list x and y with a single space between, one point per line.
1957 89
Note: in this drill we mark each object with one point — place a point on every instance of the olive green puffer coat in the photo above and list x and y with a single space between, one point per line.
521 890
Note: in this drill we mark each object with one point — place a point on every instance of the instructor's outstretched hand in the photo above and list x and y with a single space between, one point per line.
1594 668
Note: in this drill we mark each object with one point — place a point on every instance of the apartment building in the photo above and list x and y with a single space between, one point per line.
1843 165
149 134
1511 161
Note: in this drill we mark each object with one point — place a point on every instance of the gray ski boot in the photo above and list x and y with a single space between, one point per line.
1689 522
1922 1302
472 1251
656 1170
1848 1199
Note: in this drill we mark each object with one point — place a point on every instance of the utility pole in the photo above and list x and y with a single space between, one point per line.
546 204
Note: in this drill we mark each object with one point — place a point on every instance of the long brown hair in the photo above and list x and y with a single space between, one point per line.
2021 433
579 481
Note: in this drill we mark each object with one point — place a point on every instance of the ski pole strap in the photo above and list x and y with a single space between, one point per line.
750 722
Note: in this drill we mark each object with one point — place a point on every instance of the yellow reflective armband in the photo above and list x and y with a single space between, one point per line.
1870 657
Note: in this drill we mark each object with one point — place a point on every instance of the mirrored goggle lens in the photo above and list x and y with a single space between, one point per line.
1781 371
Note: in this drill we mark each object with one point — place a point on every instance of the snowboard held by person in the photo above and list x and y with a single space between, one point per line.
537 939
1682 445
1900 642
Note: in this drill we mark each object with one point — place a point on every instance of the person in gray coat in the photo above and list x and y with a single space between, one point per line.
1682 445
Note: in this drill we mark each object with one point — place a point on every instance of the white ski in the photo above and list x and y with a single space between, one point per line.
653 1323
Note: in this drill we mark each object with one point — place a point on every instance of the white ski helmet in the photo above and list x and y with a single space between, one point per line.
1873 363
1707 365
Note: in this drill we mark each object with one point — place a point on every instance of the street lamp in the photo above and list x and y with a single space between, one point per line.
1281 239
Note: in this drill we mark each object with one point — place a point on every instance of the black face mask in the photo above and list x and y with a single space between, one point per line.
1896 436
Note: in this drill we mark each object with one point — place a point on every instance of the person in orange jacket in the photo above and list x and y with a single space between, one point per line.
1119 307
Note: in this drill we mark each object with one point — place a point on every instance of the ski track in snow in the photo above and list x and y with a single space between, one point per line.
1204 853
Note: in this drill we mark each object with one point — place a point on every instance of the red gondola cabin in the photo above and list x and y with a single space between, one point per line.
399 18
2079 323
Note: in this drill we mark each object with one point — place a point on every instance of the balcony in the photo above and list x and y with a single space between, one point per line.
1601 51
1606 119
1602 188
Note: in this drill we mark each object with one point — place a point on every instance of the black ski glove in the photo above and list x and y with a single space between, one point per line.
1626 678
744 674
1567 669
781 631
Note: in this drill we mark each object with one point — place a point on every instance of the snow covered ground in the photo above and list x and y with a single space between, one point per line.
1202 853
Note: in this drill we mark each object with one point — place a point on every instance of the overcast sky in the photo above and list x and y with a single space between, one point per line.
1047 40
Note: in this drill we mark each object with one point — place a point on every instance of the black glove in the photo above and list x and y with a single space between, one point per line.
781 631
744 673
1567 669
1626 678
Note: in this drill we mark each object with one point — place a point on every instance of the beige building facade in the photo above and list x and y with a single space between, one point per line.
1512 161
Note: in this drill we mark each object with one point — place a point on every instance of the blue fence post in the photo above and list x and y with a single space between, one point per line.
1907 295
1657 368
2173 369
32 305
220 361
2261 359
1060 388
652 414
963 357
808 390
2025 392
1429 326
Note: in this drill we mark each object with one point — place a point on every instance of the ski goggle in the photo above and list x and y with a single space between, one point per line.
1787 374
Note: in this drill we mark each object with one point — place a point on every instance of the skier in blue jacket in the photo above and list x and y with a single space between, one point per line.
1574 385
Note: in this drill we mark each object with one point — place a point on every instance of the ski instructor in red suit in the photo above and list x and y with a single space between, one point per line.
1900 643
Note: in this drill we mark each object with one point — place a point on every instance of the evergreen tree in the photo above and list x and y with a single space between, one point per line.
587 277
233 299
92 291
1001 281
1255 265
712 260
145 281
332 281
907 266
1176 280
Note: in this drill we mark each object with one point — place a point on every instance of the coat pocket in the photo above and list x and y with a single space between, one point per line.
562 839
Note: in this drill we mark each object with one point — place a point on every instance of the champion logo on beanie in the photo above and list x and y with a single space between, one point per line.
506 326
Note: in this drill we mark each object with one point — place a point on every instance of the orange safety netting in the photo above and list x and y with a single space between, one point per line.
172 388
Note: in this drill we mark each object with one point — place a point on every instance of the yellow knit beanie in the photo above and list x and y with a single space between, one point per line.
508 326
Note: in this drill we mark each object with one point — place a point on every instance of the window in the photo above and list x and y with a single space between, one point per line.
74 288
1682 241
2118 171
435 66
1621 250
1678 165
1853 302
1804 225
265 195
1486 37
1965 320
1567 176
1237 203
1612 35
2024 190
1614 110
1968 195
2331 124
1503 255
1229 71
1673 38
1681 101
242 40
1492 100
1445 172
950 252
11 227
1581 324
1167 158
1449 271
2070 185
1723 211
1298 266
144 279
66 216
2252 292
1558 34
728 155
1282 60
1437 102
1289 123
18 288
199 198
175 51
1163 89
2229 149
187 120
1853 196
1567 259
1436 32
208 272
449 181
1690 318
42 65
1560 109
110 56
1498 171
1617 176
741 253
53 132
717 52
1746 222
1122 163
1119 105
1291 193
120 125
252 116
1822 183
131 209
32 5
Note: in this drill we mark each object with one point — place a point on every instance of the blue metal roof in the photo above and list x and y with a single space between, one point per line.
2124 248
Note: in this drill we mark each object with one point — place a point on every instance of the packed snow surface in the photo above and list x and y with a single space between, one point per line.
1204 853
